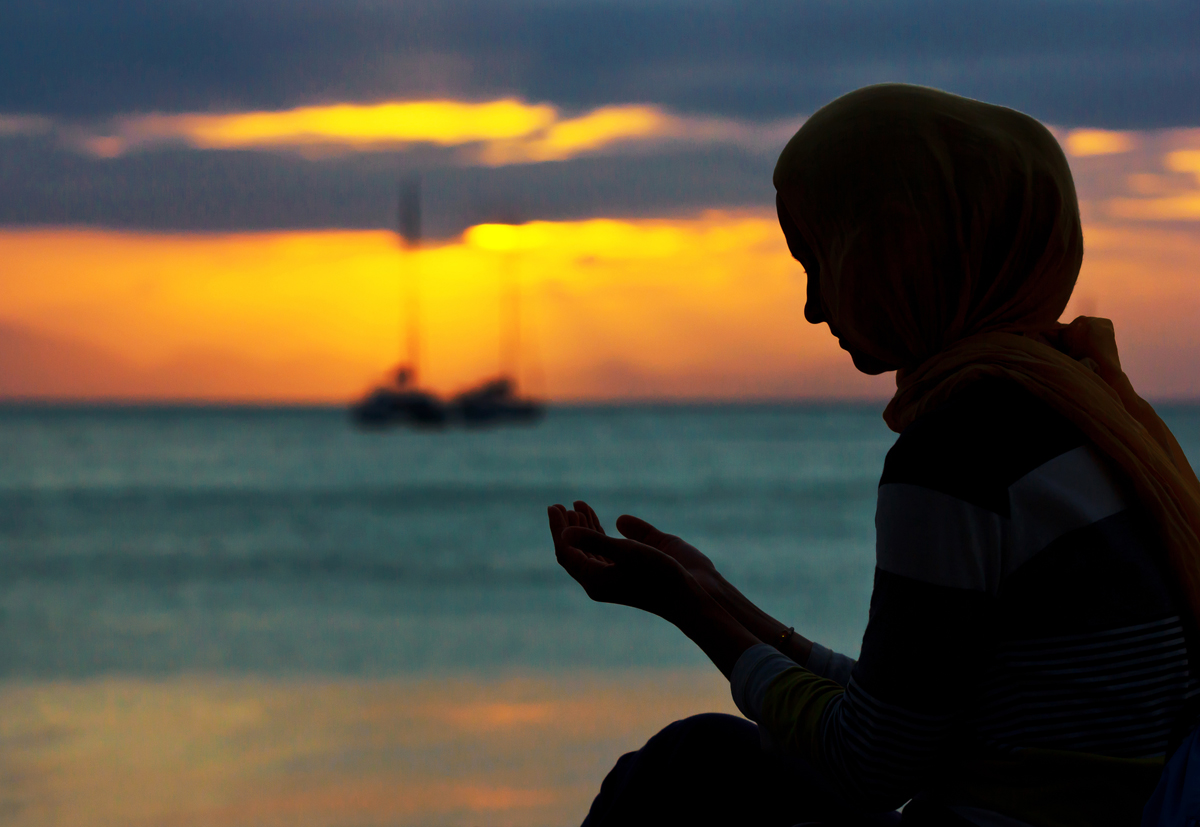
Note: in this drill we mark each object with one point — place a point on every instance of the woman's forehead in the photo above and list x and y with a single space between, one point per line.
797 244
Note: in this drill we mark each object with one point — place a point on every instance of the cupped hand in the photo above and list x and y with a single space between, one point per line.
637 529
687 555
622 571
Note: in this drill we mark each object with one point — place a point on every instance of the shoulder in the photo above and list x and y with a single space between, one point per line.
978 444
971 489
977 489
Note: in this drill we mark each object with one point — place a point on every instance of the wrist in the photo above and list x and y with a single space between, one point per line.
718 588
721 637
688 601
696 609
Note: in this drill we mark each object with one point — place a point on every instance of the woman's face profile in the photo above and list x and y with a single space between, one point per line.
815 313
814 306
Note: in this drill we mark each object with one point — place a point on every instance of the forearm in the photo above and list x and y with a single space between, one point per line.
716 632
760 624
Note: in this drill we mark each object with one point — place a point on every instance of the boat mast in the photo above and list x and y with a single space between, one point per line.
410 240
510 318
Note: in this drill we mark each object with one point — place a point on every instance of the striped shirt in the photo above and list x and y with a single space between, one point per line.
1022 616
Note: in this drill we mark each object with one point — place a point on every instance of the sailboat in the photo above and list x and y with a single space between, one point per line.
496 400
400 400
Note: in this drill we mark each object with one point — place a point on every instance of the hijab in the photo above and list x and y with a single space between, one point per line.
945 240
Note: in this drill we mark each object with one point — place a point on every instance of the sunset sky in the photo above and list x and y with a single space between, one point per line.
198 200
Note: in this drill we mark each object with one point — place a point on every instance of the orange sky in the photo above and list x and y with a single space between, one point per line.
707 306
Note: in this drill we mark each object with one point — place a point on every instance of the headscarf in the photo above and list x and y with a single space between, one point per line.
945 238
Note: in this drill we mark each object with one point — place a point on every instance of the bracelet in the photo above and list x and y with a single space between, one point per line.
787 635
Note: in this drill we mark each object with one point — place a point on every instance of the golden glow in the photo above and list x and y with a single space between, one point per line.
1167 200
444 122
604 126
173 315
486 717
566 139
1144 279
596 237
1184 160
194 752
507 131
1183 207
1163 197
1148 183
495 133
1085 142
709 306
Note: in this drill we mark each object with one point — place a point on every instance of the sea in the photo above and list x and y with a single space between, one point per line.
261 616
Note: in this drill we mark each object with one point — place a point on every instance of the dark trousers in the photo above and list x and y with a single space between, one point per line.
711 770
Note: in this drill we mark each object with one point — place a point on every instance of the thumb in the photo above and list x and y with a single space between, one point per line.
638 529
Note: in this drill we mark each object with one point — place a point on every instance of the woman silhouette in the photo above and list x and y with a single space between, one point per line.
1026 659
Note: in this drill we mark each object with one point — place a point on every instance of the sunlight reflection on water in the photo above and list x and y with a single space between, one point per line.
522 750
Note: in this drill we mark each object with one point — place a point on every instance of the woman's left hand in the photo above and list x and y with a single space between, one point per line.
625 572
1092 341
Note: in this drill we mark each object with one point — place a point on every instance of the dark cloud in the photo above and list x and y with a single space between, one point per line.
179 189
1111 64
1106 64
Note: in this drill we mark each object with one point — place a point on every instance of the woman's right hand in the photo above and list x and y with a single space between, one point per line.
705 575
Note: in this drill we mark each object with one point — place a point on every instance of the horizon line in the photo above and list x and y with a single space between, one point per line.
11 404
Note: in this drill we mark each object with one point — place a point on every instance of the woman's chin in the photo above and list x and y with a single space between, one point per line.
869 364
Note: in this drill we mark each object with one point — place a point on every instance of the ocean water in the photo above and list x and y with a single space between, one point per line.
264 616
284 541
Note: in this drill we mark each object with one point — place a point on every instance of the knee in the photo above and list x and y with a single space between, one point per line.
711 725
691 771
696 740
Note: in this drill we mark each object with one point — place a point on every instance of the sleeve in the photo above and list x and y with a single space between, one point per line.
760 665
879 739
829 664
754 671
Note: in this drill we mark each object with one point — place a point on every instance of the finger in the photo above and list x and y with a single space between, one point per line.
593 518
586 519
638 529
557 515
